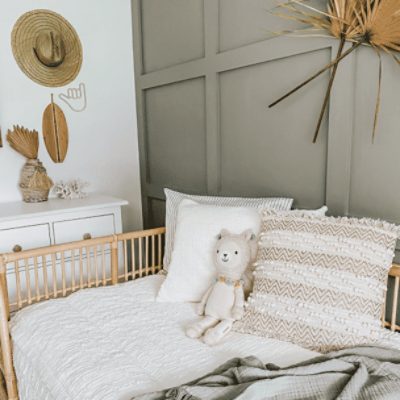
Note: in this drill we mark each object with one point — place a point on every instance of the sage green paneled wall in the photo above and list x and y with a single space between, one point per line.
206 71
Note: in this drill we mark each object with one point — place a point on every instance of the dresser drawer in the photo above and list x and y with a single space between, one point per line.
82 228
26 237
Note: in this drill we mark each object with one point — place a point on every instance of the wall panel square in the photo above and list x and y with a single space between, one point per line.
156 213
242 22
270 151
175 135
375 168
172 32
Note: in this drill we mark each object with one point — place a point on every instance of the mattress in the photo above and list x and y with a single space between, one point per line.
117 342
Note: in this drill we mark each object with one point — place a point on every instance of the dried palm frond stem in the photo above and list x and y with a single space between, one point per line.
375 23
24 141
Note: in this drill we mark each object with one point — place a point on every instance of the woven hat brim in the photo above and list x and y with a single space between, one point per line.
23 39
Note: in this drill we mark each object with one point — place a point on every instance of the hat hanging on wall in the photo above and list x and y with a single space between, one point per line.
47 48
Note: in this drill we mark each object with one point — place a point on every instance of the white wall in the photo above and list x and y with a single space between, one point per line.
103 148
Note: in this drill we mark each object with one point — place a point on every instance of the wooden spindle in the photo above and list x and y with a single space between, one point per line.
54 273
4 298
383 318
140 257
18 284
28 281
159 252
125 244
153 254
103 262
36 274
394 304
133 255
80 269
63 277
89 267
5 339
114 260
96 268
73 261
45 280
146 257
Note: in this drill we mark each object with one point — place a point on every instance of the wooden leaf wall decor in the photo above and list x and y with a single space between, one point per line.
55 132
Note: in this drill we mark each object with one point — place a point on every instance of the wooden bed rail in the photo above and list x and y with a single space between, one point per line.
392 324
46 273
41 274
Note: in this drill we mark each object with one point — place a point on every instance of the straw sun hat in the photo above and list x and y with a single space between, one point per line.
47 48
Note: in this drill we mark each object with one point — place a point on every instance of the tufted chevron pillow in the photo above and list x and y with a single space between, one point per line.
320 282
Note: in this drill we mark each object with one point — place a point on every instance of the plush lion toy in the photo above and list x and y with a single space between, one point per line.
223 302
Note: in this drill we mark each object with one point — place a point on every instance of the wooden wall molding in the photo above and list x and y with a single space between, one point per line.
210 67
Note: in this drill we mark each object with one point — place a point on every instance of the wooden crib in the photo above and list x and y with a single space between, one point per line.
57 271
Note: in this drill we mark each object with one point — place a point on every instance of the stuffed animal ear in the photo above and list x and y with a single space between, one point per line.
223 233
248 234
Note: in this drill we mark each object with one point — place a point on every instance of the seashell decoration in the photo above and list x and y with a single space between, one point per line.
73 189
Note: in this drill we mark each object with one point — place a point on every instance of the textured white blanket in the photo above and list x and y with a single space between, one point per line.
115 342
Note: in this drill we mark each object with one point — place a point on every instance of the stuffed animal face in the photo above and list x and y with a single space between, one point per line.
233 253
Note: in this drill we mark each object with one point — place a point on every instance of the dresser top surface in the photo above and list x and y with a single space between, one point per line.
20 209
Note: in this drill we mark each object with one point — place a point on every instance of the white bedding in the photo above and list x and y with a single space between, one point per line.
116 342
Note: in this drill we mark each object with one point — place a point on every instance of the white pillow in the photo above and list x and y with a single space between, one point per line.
173 199
192 270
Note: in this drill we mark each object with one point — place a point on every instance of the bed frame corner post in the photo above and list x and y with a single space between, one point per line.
114 260
5 339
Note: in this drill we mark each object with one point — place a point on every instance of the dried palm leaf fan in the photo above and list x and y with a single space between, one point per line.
35 184
375 23
24 141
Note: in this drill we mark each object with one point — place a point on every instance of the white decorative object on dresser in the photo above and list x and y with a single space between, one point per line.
26 226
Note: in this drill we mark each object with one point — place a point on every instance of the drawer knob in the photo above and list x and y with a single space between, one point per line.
17 248
87 236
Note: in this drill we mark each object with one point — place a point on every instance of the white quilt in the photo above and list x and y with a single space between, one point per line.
115 342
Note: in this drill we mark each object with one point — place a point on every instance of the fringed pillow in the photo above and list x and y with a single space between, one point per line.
320 282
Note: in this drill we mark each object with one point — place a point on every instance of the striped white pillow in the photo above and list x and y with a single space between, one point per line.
174 198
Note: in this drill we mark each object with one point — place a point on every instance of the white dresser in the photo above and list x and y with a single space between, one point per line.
25 226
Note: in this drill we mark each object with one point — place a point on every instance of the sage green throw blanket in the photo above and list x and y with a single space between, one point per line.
353 374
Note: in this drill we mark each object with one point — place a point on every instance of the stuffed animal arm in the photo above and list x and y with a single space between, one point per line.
202 305
223 302
238 306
